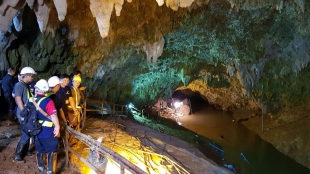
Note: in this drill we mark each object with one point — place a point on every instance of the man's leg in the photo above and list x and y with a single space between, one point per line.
24 139
40 162
51 163
11 103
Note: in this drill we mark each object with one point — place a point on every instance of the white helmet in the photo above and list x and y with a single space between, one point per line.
27 70
42 85
53 81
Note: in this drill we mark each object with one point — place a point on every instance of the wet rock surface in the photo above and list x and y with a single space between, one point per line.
287 130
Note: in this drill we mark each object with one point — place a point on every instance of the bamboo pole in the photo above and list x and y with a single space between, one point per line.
106 151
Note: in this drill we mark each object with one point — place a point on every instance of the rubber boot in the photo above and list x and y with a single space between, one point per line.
18 153
51 163
40 163
28 152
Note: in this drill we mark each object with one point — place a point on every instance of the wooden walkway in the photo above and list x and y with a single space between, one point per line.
103 107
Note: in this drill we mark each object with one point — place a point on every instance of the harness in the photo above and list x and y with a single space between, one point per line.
44 123
76 98
48 94
30 98
29 94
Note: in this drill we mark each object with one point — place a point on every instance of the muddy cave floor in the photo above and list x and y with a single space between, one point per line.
9 137
137 143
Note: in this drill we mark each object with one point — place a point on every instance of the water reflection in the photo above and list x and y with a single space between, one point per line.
262 157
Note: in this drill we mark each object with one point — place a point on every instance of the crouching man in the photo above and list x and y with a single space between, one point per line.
47 139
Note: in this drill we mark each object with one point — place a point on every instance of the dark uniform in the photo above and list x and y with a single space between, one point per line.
8 86
62 96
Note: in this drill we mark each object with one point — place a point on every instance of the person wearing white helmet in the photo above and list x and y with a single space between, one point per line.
54 85
22 94
47 140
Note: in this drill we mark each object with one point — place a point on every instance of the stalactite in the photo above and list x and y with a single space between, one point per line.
118 7
185 3
154 50
30 3
6 20
102 10
42 12
61 7
160 2
173 4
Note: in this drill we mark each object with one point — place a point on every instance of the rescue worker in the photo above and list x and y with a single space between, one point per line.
7 86
22 94
54 86
64 96
81 88
47 140
75 118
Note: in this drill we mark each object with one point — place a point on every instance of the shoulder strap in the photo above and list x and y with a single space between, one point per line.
49 94
29 93
38 107
76 96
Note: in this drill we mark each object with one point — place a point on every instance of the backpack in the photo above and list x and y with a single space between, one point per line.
29 118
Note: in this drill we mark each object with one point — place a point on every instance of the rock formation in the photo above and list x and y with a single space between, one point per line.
237 54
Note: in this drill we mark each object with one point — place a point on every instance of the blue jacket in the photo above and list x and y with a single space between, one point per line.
7 84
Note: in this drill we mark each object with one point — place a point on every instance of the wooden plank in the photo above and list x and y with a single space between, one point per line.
106 151
85 161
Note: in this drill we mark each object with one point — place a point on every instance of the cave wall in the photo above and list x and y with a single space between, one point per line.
237 55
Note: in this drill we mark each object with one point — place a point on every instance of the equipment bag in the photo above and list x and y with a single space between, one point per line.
29 118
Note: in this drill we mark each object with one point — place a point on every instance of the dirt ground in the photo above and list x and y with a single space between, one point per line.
136 137
9 137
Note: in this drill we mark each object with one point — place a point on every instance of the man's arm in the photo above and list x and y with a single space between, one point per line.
55 120
19 102
62 115
50 109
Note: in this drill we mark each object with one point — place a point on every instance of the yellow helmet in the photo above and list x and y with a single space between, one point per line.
77 79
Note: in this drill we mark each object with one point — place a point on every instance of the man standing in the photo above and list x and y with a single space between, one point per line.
46 141
64 96
22 94
75 119
7 86
54 85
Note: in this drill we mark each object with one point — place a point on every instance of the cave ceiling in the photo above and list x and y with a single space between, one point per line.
235 53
